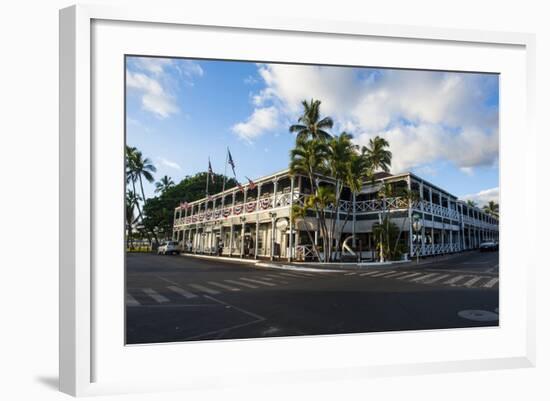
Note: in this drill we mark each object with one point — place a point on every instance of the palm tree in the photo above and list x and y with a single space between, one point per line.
340 151
357 171
491 208
321 201
131 200
310 124
137 169
308 158
471 203
411 197
378 154
299 214
383 233
164 183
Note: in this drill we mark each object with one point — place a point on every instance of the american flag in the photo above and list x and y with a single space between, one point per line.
210 172
251 184
230 161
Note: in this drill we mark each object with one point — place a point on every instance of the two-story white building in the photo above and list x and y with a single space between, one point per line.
255 222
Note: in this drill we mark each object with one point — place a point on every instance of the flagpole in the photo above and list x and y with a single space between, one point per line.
225 169
207 176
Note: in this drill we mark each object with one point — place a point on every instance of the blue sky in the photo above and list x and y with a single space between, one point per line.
442 126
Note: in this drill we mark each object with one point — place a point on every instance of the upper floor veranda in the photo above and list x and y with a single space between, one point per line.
281 190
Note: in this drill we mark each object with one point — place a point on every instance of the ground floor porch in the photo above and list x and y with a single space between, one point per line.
278 239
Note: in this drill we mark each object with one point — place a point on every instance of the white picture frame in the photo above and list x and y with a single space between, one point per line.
83 332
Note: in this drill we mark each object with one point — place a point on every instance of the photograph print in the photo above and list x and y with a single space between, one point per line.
269 199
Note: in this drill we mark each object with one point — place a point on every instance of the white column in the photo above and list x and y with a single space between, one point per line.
353 241
291 226
423 229
272 236
257 221
231 239
409 213
432 245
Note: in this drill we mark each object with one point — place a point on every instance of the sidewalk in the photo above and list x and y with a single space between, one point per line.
329 267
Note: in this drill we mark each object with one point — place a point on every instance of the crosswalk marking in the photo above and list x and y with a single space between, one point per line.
383 274
423 277
240 283
226 287
131 301
491 283
291 275
278 278
369 273
409 276
204 289
397 274
155 295
258 281
454 280
471 282
435 279
181 291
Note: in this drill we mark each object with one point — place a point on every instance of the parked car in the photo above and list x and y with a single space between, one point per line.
488 246
168 248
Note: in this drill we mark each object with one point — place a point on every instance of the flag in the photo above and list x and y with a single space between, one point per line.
251 184
240 186
184 205
210 172
230 161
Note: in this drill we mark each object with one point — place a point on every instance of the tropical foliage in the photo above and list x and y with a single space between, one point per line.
152 218
318 152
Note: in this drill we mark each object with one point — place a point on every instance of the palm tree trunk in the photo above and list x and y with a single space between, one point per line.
143 197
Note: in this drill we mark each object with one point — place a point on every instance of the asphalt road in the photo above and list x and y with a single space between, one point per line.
182 298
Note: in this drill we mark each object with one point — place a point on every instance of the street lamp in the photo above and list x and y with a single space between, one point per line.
417 227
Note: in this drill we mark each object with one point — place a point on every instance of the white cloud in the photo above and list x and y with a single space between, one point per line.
261 120
483 197
153 65
154 78
426 116
153 96
189 68
168 163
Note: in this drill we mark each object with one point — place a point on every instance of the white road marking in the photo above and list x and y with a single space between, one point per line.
204 289
409 276
383 273
155 295
397 274
258 281
225 287
131 301
274 277
291 275
435 279
454 279
302 274
240 283
181 291
491 283
349 274
369 273
471 282
417 279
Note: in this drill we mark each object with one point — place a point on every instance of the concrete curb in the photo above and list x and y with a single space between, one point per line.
222 258
297 268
